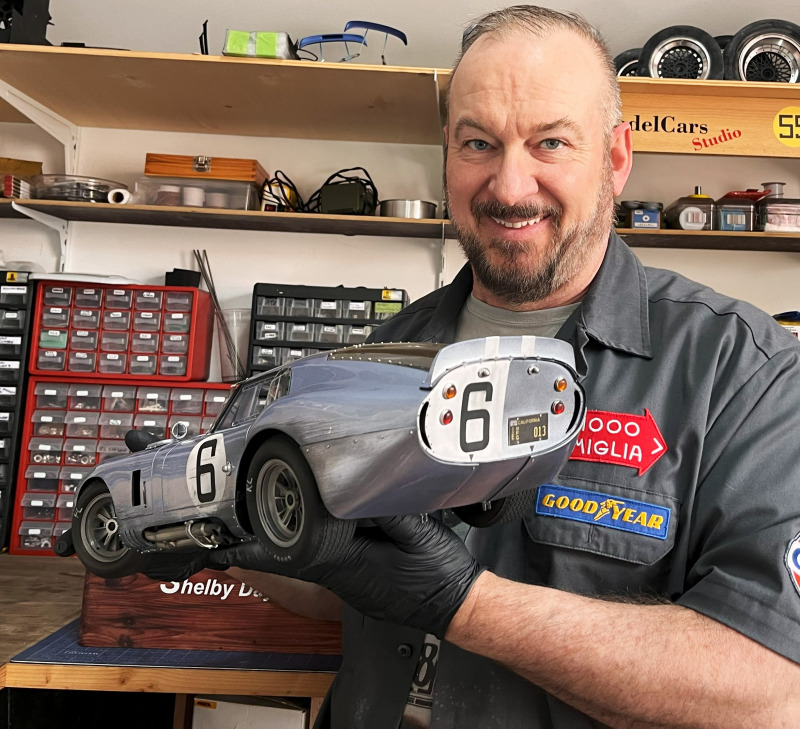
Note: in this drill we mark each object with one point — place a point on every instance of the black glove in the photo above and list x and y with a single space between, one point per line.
408 570
176 566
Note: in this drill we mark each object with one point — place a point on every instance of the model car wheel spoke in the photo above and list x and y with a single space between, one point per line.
101 529
280 502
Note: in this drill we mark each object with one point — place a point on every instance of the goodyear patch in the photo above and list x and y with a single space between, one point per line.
592 507
792 562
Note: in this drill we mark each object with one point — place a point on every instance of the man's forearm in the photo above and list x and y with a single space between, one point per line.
627 664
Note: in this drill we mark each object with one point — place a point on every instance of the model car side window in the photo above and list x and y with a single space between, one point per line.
238 409
270 391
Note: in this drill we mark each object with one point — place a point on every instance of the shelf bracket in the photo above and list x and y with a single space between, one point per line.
65 132
51 221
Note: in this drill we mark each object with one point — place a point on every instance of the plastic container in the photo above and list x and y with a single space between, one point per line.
776 213
73 187
640 214
195 192
42 478
692 212
736 210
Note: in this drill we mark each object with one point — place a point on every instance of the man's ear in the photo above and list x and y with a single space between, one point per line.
621 155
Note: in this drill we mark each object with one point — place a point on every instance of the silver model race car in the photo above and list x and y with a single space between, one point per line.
302 452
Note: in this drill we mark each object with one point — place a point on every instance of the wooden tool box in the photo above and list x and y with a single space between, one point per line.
209 611
204 167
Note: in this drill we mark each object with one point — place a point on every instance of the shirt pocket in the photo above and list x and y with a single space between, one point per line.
609 519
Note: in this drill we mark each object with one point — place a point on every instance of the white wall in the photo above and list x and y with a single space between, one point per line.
240 259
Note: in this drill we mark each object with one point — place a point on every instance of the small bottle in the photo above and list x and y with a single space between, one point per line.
692 212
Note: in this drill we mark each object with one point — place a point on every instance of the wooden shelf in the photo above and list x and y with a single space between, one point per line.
368 225
9 114
712 240
221 95
166 680
310 100
232 219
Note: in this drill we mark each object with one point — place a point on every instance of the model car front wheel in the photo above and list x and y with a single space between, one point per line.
95 535
286 511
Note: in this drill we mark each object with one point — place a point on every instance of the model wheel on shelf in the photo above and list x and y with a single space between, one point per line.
681 51
285 509
95 534
766 51
627 62
499 511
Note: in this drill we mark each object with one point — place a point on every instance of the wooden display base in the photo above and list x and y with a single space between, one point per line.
209 611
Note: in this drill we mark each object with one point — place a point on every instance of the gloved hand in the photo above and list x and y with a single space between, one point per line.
176 566
407 570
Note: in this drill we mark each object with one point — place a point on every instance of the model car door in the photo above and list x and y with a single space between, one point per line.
199 474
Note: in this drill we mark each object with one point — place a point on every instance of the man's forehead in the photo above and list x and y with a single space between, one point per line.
512 57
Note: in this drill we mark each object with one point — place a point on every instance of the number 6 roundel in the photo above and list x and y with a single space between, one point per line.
205 478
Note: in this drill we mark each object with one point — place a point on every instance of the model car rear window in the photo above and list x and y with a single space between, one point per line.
416 355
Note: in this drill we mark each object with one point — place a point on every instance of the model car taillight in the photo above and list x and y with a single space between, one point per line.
447 417
560 384
450 392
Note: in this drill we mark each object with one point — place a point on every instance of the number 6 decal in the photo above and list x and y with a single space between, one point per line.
205 477
208 493
478 414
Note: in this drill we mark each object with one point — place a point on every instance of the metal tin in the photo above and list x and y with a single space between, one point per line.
407 209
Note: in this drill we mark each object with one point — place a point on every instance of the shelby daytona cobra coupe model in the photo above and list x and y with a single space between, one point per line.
301 453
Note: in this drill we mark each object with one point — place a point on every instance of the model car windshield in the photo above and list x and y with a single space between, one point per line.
418 356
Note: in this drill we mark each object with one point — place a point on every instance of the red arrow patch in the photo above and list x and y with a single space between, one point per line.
620 439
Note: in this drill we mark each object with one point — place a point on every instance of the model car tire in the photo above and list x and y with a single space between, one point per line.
681 51
501 511
627 62
95 535
285 509
766 51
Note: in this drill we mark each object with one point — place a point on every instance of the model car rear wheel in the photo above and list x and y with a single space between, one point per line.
499 511
286 511
95 535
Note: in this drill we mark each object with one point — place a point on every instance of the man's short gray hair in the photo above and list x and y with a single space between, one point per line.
541 21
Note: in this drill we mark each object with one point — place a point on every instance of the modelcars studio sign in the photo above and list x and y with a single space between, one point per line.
712 117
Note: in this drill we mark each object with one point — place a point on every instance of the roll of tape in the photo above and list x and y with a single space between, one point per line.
119 196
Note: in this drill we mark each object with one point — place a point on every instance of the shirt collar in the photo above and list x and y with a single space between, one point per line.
615 308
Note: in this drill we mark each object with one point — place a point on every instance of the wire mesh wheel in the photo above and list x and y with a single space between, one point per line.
627 62
767 51
681 51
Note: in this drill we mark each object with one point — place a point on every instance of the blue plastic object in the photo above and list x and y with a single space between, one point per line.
367 26
345 38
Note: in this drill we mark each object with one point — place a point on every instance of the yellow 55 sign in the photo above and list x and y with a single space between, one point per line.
786 126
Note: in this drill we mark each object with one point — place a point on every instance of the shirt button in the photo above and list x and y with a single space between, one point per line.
404 650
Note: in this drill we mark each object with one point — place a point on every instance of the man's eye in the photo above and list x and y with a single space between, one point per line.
477 144
552 144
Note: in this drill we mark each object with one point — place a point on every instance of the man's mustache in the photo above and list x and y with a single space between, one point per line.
495 209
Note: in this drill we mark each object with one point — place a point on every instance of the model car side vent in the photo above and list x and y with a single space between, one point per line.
422 434
137 492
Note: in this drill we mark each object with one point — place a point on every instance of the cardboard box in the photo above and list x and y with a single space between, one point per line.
209 168
229 712
20 167
209 611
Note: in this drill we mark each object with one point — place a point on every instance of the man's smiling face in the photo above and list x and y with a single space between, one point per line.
530 166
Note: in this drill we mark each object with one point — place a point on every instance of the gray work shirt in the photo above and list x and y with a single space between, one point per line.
706 512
